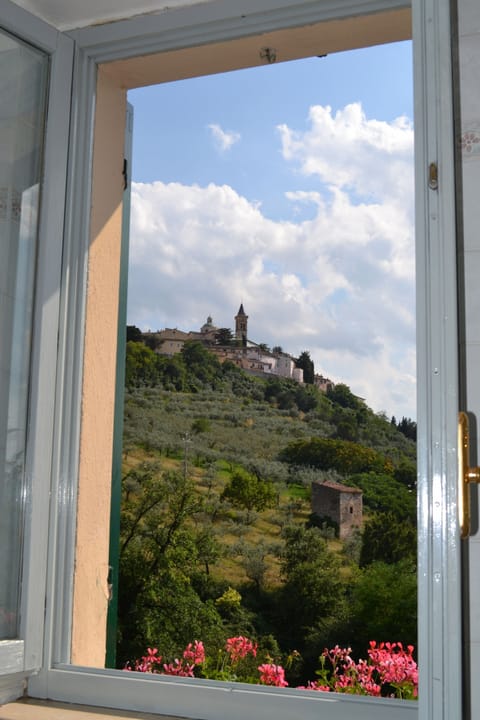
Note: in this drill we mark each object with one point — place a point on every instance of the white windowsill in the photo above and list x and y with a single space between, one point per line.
30 709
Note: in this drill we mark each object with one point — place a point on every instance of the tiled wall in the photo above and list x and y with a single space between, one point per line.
469 52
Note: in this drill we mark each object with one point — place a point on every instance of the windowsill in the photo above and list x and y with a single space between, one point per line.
31 709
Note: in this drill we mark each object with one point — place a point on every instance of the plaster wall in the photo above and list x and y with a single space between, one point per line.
285 366
297 374
91 591
469 57
289 44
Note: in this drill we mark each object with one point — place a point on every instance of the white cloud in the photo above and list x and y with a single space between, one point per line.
372 158
340 285
223 139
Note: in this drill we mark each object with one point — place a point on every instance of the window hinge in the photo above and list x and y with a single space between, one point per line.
125 174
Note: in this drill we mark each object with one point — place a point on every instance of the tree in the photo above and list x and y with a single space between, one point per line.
254 563
305 362
383 493
406 473
346 422
201 425
286 399
159 553
275 386
329 454
408 427
313 596
342 395
140 365
306 398
301 546
208 549
134 334
195 354
202 366
224 336
387 539
155 509
249 492
173 372
384 604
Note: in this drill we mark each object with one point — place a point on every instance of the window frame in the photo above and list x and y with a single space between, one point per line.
439 543
22 656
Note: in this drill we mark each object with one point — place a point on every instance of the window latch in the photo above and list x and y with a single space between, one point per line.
466 475
433 176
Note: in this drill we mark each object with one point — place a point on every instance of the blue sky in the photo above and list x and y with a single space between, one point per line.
288 188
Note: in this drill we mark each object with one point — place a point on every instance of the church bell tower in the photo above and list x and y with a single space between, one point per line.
241 321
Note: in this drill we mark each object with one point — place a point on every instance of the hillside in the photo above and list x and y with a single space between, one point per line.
217 535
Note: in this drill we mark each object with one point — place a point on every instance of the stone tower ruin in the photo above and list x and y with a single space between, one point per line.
341 504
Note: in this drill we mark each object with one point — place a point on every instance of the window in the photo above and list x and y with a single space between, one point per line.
196 28
24 78
36 64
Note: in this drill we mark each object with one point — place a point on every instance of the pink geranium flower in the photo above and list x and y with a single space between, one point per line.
271 674
239 647
195 652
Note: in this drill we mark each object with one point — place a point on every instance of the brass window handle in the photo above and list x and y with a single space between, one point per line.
466 475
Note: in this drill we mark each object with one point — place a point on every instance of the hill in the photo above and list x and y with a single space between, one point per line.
217 536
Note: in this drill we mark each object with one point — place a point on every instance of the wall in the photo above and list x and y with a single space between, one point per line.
91 591
335 503
351 513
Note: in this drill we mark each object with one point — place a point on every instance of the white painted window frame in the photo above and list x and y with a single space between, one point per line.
439 544
20 657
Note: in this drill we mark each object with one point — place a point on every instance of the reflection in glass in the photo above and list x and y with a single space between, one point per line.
23 84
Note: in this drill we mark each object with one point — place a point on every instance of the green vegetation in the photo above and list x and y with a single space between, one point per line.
217 537
305 362
344 456
249 492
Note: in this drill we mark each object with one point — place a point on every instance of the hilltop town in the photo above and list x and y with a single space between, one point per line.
254 358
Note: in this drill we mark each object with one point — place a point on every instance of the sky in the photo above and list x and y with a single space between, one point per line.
288 188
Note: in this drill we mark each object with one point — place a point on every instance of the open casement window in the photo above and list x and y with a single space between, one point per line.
35 81
201 39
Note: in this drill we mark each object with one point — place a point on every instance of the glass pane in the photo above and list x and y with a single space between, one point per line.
260 371
23 83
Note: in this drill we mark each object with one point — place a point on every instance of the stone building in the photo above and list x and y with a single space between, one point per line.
169 341
241 324
339 503
323 384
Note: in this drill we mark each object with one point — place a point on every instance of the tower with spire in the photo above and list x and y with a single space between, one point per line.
241 321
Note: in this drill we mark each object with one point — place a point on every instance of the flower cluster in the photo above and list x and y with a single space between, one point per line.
148 663
239 647
271 674
193 655
389 671
195 652
396 667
